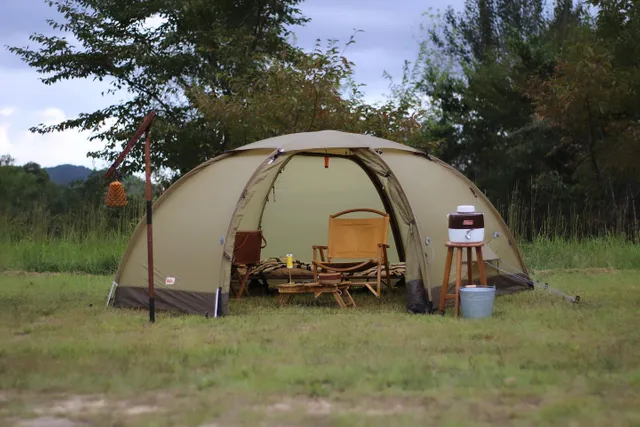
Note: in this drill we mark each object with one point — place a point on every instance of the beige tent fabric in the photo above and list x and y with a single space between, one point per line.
435 191
416 269
263 175
304 194
325 140
188 223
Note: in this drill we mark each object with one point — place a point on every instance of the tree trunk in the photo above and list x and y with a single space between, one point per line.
592 142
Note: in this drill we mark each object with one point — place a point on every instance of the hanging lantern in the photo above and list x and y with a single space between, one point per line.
116 196
326 161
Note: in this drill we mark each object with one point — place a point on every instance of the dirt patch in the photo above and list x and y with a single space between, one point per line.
78 406
48 422
318 407
494 411
62 410
141 409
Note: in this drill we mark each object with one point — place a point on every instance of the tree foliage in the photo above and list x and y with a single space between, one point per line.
305 94
592 96
28 196
523 96
539 99
153 50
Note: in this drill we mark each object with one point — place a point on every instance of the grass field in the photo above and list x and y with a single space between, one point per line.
540 360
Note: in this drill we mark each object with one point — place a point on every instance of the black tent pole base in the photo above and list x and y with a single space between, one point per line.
152 310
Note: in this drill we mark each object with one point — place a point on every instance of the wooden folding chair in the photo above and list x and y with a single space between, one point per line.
362 239
246 254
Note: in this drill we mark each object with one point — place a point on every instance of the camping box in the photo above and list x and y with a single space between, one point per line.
466 225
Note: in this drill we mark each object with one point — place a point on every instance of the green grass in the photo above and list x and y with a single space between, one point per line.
93 255
539 361
100 253
90 241
596 252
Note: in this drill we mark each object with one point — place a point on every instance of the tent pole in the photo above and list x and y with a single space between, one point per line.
147 160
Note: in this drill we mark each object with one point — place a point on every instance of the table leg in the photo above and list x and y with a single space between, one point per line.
339 299
352 303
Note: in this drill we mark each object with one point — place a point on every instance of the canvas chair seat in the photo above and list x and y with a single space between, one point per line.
361 239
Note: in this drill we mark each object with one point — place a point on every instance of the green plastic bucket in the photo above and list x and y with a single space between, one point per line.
476 303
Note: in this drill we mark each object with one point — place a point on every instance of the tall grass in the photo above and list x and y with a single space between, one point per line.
532 218
90 241
94 239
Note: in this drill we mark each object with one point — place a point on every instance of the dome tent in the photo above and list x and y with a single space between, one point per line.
281 186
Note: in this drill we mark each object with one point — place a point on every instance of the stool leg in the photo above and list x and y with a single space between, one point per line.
469 267
445 280
483 276
458 279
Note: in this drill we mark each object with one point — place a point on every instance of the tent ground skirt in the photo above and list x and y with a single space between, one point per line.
172 300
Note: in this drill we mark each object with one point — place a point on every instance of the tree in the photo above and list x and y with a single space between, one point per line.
6 160
542 103
198 42
472 68
304 94
476 66
24 188
591 98
618 29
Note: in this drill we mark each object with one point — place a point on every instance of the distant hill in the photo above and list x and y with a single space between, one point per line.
65 174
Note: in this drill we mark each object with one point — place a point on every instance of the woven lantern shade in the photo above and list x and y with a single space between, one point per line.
116 196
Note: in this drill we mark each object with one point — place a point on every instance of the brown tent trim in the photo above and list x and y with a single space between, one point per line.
395 229
171 300
423 153
388 207
266 197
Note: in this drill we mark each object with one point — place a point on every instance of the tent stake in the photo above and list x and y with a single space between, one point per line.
216 309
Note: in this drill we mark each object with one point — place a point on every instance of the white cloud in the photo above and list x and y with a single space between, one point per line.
49 149
6 111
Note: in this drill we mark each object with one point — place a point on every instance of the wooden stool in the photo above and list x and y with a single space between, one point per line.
444 295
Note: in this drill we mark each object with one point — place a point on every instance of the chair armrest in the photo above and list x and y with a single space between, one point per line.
319 248
384 245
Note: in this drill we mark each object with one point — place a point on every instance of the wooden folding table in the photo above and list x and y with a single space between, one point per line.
287 291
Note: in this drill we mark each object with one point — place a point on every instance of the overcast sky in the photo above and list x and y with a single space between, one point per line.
391 33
